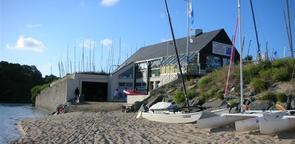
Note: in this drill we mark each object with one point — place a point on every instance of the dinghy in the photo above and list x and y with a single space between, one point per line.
171 117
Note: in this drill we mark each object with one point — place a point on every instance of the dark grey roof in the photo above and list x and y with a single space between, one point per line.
160 49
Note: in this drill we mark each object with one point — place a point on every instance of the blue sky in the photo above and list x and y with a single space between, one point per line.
39 33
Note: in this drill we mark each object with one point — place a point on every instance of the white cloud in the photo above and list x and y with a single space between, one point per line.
88 43
33 26
27 44
106 42
108 3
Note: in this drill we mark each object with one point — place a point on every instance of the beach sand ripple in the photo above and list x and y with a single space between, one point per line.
122 128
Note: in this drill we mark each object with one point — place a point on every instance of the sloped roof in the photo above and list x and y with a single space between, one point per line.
167 48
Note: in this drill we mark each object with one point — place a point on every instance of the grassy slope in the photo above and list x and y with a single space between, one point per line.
262 79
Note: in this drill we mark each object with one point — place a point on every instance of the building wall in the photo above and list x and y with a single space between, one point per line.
61 91
75 81
53 96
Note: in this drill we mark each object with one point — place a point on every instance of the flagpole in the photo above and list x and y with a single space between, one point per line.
187 38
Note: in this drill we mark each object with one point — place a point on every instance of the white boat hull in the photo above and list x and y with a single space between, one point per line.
171 117
271 126
223 119
253 123
247 124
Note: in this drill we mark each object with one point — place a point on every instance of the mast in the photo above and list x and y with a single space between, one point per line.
93 56
241 54
82 65
175 47
290 30
249 47
119 59
75 58
256 34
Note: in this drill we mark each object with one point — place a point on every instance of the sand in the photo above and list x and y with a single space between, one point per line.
118 127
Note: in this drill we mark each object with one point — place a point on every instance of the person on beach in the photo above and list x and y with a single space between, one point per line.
77 95
247 102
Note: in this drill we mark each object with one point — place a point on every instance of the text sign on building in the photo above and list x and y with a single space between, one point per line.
221 48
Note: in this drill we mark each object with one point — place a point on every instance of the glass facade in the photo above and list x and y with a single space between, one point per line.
127 74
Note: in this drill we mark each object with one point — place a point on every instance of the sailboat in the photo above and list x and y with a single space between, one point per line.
267 122
167 116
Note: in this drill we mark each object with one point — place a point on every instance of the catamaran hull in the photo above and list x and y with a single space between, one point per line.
171 117
217 121
247 124
277 125
253 123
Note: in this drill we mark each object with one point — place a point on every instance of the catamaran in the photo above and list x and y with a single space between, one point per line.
167 116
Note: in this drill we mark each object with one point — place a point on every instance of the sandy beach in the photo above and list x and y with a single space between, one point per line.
118 127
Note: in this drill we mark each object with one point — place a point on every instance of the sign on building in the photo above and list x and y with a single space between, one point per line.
221 48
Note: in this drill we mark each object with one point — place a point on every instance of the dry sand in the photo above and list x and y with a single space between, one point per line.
118 127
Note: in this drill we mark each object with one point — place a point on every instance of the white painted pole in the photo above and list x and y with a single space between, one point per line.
241 55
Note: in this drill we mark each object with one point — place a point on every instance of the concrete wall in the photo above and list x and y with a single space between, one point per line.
53 96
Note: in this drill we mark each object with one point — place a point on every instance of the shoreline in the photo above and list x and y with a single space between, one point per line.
118 127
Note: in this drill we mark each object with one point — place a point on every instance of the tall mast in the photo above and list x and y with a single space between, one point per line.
93 56
176 52
256 34
290 30
119 59
241 54
82 64
75 62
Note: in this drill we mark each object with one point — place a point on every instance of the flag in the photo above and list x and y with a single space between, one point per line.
190 11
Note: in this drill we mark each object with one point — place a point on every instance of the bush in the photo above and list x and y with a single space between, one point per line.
191 94
281 97
36 90
258 85
204 80
249 71
280 74
264 64
178 97
210 93
269 96
266 74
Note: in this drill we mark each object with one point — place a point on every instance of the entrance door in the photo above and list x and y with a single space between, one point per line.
95 91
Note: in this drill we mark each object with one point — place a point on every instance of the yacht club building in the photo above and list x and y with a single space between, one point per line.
147 69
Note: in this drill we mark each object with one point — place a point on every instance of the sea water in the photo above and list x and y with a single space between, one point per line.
10 114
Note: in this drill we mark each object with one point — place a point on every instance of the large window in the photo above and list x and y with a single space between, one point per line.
122 84
155 63
142 65
155 72
141 86
127 74
213 62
